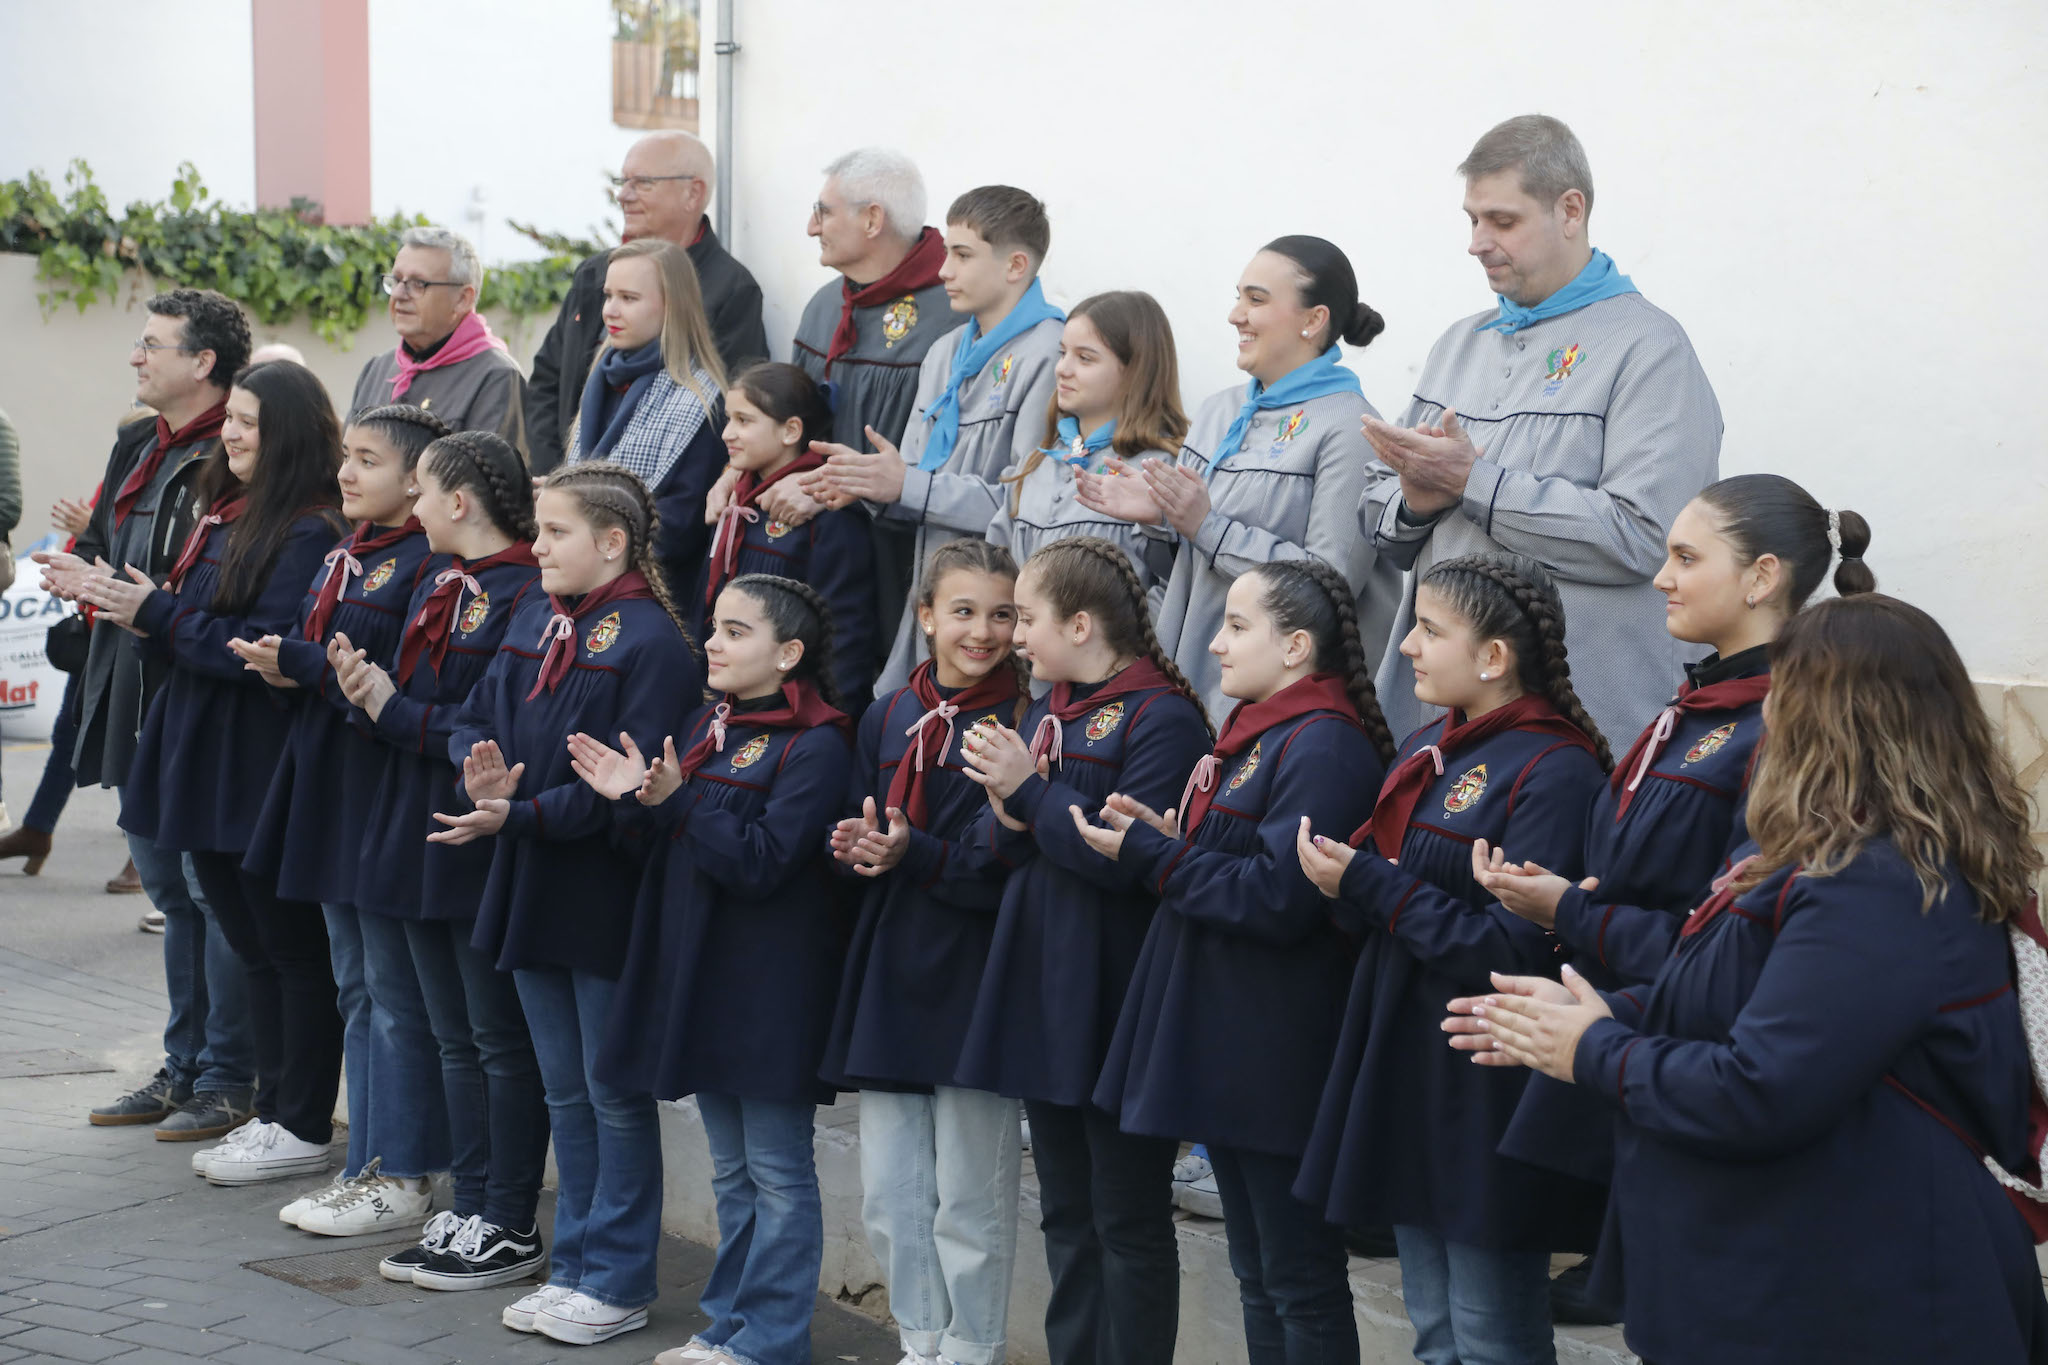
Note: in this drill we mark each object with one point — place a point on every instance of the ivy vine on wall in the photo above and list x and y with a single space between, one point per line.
278 263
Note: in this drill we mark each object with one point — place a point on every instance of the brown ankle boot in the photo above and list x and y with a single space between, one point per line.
127 882
23 842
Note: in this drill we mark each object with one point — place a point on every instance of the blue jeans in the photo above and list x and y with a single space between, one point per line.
1293 1273
408 1127
1471 1306
352 998
497 1112
771 1229
607 1144
207 1043
58 775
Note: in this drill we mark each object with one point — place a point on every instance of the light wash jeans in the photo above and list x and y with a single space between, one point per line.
352 997
408 1128
1471 1306
940 1177
771 1229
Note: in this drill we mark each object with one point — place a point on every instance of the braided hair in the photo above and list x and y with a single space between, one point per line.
1088 573
797 611
406 429
1307 594
485 465
973 555
1511 597
611 496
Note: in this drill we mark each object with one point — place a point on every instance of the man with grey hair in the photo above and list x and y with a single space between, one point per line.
1569 424
663 187
447 360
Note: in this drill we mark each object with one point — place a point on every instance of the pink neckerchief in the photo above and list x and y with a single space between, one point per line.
944 711
1202 779
471 338
1049 738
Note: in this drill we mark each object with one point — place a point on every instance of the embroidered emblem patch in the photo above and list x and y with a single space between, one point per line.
1105 721
1558 367
778 529
1470 786
750 752
1709 743
380 575
1003 368
897 320
603 635
1251 765
473 615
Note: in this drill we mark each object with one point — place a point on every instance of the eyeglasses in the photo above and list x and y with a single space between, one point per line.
397 286
819 211
643 184
148 347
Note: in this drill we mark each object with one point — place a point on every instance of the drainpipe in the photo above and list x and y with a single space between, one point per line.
726 48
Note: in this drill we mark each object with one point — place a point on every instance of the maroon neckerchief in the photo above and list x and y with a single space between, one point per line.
1249 720
342 561
803 708
725 541
918 270
203 427
559 638
928 740
1722 894
1730 694
1049 738
224 512
1404 786
431 630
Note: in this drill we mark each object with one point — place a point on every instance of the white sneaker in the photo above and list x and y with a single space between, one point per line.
235 1138
1199 1197
1190 1168
273 1154
372 1203
290 1214
691 1352
520 1315
580 1320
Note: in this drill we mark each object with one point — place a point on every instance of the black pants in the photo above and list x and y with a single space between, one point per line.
297 1028
1292 1270
1106 1208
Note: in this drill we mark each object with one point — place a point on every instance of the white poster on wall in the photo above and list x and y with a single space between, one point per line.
30 689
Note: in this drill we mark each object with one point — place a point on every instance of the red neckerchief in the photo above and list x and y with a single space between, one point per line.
928 740
203 427
431 630
1730 694
725 541
1723 895
1411 777
803 708
341 562
918 270
1063 705
559 638
1249 720
224 512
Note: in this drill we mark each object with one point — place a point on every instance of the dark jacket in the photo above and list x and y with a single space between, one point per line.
120 677
731 299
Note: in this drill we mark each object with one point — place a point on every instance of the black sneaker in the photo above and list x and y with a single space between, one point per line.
146 1104
434 1238
482 1255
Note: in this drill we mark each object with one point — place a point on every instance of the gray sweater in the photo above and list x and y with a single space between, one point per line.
1273 497
1595 428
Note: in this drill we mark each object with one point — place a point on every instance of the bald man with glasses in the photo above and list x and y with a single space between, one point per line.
662 190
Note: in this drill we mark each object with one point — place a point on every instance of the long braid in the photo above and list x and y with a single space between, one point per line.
1357 668
819 662
1546 669
1137 619
613 495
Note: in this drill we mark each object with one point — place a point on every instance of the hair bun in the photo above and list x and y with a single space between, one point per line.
1852 575
1366 323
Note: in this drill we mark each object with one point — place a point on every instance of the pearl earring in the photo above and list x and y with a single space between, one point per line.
1483 677
1751 600
412 492
1304 335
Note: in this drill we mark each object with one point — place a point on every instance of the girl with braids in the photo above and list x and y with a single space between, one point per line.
1233 1009
773 414
603 652
309 839
1408 1131
736 947
940 1163
1118 717
1824 1106
476 503
215 734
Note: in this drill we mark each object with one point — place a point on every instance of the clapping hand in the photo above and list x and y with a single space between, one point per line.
1527 889
485 776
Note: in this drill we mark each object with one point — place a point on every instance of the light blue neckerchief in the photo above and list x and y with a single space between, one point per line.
971 358
1319 378
1599 280
1072 448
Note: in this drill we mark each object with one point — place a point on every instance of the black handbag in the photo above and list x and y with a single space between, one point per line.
65 644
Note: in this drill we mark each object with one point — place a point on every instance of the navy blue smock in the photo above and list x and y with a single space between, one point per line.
1234 1006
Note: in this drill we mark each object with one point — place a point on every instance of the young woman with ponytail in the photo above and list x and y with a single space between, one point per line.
1407 1130
735 955
1118 717
1232 1014
602 652
476 504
